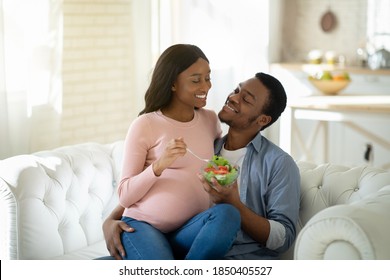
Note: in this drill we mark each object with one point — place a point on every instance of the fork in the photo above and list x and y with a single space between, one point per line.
202 159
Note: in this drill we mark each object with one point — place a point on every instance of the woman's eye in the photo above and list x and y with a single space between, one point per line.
208 79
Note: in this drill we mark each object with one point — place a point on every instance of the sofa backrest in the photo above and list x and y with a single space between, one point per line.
328 184
68 192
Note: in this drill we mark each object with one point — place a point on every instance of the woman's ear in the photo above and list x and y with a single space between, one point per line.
173 88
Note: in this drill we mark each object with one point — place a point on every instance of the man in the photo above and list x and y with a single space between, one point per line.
268 189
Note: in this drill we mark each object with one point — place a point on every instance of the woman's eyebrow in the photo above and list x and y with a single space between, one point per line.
199 74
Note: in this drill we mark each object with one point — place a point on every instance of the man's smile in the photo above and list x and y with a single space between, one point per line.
230 108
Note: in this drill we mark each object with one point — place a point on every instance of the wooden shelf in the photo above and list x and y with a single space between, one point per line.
309 68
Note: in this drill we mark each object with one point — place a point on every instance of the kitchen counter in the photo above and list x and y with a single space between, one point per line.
352 103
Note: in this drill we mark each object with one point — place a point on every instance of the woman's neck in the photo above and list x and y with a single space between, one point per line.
178 115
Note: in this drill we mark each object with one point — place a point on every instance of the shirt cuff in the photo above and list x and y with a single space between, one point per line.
277 235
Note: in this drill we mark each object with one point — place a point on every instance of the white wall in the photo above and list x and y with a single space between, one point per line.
302 30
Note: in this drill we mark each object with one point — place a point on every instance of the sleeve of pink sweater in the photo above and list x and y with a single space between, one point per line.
136 180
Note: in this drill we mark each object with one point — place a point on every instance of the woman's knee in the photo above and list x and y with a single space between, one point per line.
228 211
145 243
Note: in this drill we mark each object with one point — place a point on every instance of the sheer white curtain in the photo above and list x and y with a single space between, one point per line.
233 34
4 140
30 74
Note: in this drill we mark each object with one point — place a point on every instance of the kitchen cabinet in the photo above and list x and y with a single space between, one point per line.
350 128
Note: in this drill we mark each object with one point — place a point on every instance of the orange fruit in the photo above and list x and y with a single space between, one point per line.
338 77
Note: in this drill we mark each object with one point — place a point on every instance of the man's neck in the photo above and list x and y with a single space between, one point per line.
238 139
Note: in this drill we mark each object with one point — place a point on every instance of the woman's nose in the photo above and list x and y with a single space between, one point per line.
205 86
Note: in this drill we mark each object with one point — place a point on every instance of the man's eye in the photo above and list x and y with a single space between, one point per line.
237 90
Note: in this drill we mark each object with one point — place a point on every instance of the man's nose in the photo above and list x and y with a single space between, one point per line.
234 97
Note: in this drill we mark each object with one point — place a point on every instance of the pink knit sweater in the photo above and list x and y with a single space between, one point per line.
169 200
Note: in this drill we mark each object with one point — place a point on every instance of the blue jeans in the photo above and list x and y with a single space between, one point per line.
206 236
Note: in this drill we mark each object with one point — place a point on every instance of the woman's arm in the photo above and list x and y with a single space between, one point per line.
136 179
140 148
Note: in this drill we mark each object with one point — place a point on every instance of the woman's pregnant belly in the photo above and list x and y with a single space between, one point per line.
170 203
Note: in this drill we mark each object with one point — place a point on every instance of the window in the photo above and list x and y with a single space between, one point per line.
378 24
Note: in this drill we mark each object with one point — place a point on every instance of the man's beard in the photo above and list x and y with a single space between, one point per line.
231 123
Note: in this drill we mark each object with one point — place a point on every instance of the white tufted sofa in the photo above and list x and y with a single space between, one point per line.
53 203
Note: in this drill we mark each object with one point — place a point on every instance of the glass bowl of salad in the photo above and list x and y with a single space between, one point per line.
219 168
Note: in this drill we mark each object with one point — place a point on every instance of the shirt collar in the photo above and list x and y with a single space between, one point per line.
256 143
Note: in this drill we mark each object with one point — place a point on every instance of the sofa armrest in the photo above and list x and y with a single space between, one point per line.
349 231
8 227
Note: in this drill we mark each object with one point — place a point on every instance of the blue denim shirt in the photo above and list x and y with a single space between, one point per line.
269 186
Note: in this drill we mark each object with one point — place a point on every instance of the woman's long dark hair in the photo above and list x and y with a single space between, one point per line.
170 64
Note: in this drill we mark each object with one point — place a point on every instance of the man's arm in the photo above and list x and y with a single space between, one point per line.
112 229
257 227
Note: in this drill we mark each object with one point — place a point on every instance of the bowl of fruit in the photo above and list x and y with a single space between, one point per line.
219 168
330 83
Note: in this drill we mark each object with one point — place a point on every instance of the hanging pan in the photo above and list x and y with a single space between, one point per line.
328 21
